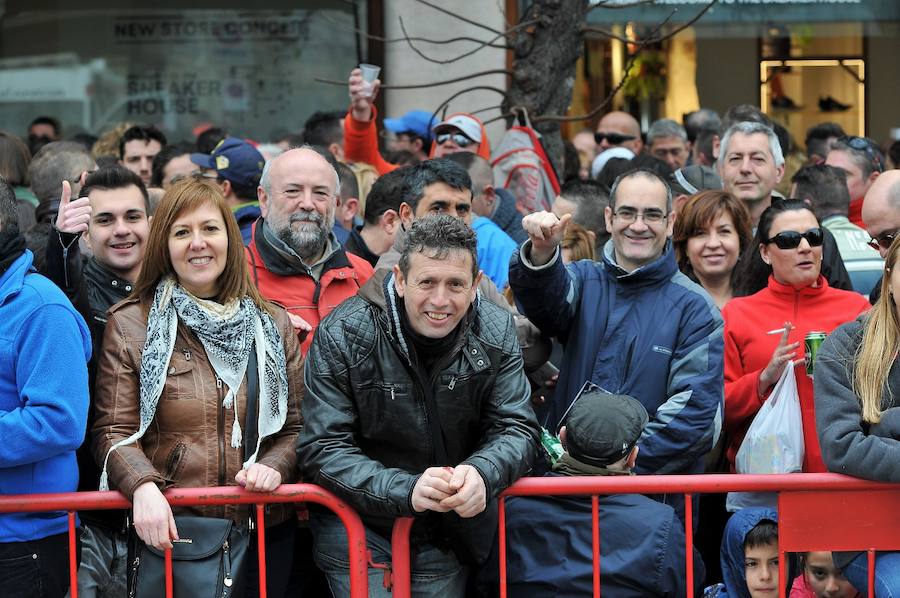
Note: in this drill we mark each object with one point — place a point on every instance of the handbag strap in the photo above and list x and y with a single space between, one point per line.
251 426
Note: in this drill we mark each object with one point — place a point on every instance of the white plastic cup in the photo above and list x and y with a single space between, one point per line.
369 74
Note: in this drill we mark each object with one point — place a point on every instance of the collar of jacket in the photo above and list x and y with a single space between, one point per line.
277 262
104 278
14 278
504 208
659 270
789 292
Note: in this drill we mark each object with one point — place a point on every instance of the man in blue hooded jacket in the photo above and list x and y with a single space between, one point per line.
43 412
631 324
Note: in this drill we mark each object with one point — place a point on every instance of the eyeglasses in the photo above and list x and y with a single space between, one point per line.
861 144
458 138
630 215
790 239
613 138
883 241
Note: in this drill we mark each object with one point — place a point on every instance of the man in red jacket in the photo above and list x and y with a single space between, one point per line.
459 132
293 255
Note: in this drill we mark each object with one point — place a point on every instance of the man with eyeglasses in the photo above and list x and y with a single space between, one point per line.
237 166
881 209
457 133
632 323
863 162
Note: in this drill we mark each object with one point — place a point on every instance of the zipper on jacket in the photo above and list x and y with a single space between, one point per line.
452 383
220 425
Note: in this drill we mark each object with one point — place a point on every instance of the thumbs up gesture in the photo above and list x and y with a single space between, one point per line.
73 216
546 232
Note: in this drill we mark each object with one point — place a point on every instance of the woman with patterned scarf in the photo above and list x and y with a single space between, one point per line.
177 360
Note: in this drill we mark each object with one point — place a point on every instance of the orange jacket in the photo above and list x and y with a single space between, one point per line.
300 294
361 143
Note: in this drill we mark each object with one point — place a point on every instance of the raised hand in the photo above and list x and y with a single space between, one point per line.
73 216
360 102
783 354
546 232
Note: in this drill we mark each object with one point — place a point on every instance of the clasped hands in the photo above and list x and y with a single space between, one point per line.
444 489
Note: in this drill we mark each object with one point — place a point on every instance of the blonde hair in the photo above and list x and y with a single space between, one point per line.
878 350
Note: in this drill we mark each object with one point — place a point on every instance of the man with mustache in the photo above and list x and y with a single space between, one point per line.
293 255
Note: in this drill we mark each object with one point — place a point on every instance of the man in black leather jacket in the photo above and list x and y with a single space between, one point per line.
417 404
112 213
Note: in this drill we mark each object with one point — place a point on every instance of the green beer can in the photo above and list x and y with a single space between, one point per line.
812 343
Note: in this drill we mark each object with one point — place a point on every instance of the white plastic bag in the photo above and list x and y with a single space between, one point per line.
774 441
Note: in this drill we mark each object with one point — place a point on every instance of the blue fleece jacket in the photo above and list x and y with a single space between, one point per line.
494 250
44 349
651 334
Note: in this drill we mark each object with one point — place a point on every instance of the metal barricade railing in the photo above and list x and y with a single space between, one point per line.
227 495
793 490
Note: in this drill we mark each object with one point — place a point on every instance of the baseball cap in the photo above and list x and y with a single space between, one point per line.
694 179
602 428
468 125
235 160
418 122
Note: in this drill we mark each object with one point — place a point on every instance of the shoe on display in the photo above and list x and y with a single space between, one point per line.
829 104
784 103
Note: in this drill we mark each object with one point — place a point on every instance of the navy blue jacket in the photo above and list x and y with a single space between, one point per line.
651 333
549 550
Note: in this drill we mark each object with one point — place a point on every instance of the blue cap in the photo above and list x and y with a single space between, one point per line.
235 160
418 122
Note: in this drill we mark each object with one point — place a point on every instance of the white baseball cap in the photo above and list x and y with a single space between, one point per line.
466 124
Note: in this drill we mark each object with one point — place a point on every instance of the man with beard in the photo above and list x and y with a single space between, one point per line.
293 255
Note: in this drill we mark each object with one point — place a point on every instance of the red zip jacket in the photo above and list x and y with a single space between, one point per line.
361 143
748 350
300 294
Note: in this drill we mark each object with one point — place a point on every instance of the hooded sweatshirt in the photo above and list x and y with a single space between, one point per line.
732 555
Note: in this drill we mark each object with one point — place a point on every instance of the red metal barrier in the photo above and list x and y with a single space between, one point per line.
812 493
227 495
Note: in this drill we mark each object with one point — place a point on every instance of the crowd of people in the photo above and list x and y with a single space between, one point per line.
380 314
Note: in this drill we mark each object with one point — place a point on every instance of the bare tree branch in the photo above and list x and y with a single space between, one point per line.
426 85
446 102
628 66
607 5
425 40
650 39
460 17
480 46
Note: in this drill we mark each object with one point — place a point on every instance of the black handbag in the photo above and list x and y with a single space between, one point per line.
210 558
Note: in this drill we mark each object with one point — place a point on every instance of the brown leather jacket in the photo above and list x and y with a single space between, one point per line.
188 442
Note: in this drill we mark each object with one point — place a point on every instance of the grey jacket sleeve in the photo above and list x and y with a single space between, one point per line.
848 446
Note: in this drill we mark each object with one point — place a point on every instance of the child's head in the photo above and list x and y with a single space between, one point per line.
824 578
761 559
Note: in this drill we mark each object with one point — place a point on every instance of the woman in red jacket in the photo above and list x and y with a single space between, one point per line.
765 331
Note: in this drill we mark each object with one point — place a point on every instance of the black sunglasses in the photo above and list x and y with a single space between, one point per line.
884 241
861 144
790 239
613 138
458 138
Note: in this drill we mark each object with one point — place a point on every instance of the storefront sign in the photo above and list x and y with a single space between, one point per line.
750 11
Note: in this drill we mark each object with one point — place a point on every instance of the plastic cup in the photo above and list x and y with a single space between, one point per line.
369 74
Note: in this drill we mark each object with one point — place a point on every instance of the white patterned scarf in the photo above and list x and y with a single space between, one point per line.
227 332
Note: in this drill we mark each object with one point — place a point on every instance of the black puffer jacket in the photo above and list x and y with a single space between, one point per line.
366 435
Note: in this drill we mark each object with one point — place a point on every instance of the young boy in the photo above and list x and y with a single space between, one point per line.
749 556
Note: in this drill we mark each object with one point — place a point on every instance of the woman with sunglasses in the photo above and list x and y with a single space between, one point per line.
765 332
858 410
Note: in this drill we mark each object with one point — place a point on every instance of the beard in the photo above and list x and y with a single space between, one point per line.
307 241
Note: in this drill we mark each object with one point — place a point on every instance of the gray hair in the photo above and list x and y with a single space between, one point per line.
9 213
752 128
265 179
642 172
56 162
665 127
